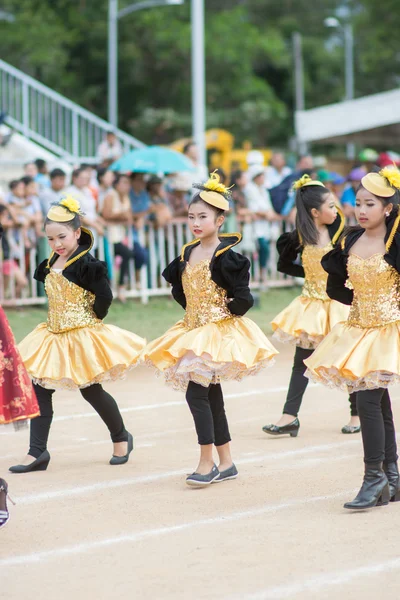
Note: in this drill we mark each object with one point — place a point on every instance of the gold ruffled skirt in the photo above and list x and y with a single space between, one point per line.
228 349
354 359
80 357
307 321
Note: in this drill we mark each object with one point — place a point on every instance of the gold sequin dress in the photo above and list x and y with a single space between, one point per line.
312 315
364 352
209 344
75 349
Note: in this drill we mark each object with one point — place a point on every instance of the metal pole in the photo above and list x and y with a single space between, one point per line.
349 76
198 79
113 62
298 81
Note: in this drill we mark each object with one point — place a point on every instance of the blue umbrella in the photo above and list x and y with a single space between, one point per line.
153 159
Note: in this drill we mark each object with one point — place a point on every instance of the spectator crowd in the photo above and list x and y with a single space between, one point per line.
126 205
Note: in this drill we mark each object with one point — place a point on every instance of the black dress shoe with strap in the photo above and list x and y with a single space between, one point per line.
291 428
121 460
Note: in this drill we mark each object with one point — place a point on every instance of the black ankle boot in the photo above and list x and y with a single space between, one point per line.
392 473
374 490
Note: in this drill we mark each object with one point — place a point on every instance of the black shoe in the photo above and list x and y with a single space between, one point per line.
374 490
197 480
40 464
121 460
4 514
292 428
351 429
392 473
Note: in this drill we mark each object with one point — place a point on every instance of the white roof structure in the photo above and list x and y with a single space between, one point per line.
371 120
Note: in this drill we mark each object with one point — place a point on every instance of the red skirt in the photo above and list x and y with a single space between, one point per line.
17 397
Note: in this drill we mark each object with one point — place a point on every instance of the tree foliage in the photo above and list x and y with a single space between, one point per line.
249 59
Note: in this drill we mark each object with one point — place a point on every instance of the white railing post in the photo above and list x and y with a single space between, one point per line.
25 109
75 135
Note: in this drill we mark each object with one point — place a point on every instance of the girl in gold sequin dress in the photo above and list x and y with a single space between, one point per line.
214 341
363 354
311 316
75 349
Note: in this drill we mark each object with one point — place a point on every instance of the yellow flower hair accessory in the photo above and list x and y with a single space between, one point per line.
304 181
214 192
383 184
392 174
65 210
71 204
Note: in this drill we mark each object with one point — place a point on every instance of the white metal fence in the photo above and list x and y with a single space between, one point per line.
163 245
51 120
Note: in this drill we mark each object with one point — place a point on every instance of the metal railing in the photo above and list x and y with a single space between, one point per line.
163 245
51 120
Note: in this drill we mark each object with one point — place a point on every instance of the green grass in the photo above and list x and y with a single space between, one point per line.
153 319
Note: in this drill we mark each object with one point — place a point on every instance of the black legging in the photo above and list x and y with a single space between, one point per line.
377 427
207 407
126 254
102 402
298 385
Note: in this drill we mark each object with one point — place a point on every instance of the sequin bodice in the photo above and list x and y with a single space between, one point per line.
70 306
315 276
376 287
205 300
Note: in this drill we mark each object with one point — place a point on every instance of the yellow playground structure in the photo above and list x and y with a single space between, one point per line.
221 152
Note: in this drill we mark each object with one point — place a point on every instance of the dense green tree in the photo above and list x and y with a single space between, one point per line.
249 59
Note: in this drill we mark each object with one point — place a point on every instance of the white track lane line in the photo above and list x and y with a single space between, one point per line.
36 557
116 483
322 582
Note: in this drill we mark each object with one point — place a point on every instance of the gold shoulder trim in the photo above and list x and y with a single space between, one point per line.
225 235
300 238
393 233
342 244
340 228
195 241
78 256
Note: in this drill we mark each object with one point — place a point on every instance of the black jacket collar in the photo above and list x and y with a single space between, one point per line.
392 237
227 241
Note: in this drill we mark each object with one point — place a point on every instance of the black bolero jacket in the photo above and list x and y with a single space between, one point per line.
335 261
229 270
83 270
289 246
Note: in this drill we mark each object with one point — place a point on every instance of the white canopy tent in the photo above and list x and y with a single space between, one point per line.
372 120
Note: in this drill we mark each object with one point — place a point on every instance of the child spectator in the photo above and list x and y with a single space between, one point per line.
13 274
42 177
32 207
53 194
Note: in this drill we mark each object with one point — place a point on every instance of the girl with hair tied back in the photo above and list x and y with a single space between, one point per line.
311 316
74 349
